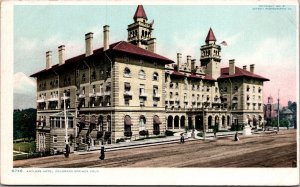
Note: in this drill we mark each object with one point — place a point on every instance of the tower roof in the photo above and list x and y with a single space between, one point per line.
140 13
210 36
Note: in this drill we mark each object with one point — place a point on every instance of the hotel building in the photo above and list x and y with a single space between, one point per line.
126 90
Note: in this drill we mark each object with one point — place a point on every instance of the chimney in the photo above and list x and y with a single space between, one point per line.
231 67
89 44
48 59
105 37
61 54
179 56
193 64
252 68
245 67
188 61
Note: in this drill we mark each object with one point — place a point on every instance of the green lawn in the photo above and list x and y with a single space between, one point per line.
24 146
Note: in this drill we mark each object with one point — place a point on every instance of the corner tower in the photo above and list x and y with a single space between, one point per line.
140 32
210 55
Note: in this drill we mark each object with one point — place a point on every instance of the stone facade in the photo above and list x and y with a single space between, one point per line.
126 91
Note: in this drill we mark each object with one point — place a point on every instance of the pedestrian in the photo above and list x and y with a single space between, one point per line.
102 154
182 138
67 151
236 138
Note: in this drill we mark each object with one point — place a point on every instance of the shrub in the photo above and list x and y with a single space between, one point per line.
200 134
120 140
144 133
236 127
156 132
169 133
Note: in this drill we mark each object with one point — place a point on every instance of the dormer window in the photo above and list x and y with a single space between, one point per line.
155 76
142 74
127 72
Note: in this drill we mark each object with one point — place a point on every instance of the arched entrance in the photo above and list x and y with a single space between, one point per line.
190 123
223 121
176 122
217 121
210 122
199 122
182 122
170 122
228 121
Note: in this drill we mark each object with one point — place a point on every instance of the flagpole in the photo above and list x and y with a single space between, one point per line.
66 127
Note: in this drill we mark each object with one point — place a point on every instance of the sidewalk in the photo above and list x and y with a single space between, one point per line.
135 144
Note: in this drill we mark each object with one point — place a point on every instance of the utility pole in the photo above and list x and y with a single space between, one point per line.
278 111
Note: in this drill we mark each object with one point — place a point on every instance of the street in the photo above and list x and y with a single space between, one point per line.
258 150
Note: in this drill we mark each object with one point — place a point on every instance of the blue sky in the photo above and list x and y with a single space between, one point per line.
265 37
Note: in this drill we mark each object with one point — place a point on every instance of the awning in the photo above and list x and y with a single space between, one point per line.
40 101
127 85
127 120
156 120
93 120
82 119
62 114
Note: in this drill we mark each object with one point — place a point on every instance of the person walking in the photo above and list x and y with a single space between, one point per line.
102 154
236 138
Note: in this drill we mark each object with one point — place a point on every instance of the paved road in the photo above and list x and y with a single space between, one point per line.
260 150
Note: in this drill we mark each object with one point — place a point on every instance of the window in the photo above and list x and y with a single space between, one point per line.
94 75
142 74
171 84
216 89
259 90
127 72
83 90
83 78
142 89
176 85
126 102
235 88
155 91
155 76
127 89
171 95
155 101
54 138
142 123
142 101
253 89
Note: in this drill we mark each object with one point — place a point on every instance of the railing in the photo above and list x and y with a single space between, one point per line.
127 93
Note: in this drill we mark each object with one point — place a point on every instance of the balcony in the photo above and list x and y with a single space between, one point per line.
156 95
92 95
143 94
81 96
99 94
127 94
107 93
40 100
53 99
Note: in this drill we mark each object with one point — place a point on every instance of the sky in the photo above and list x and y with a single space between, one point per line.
260 35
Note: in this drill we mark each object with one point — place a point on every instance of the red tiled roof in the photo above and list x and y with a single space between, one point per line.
176 73
133 49
140 13
120 46
195 76
209 78
210 36
240 73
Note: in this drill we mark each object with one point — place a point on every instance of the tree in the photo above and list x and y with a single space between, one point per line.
24 123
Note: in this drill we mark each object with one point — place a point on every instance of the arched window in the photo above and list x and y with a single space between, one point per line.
142 74
155 76
176 122
142 123
156 123
170 122
100 123
127 72
127 126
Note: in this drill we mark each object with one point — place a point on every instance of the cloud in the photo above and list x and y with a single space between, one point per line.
23 84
